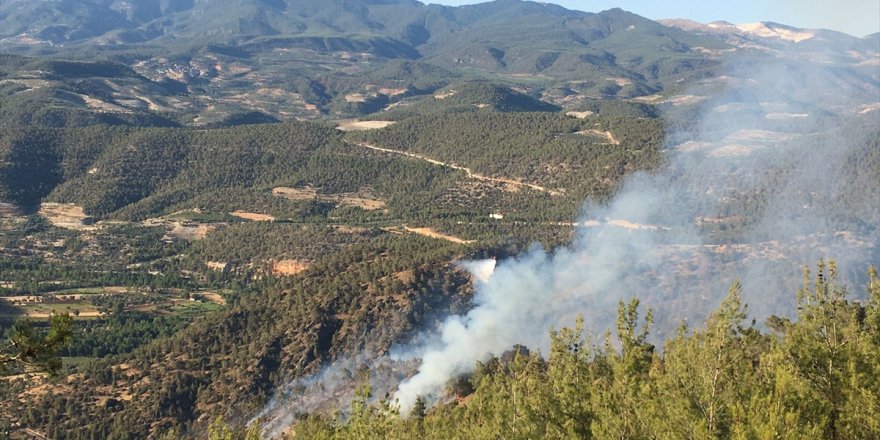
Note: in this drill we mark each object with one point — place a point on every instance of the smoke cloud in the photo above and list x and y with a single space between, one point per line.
753 189
765 174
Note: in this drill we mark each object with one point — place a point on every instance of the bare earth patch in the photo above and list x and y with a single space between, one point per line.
428 232
289 267
188 231
620 223
579 115
355 97
867 108
103 106
178 226
684 99
732 150
445 95
620 81
64 215
361 199
253 216
392 92
602 134
213 297
362 125
305 193
216 265
405 276
648 98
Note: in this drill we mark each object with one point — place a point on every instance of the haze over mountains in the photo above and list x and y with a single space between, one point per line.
356 57
234 195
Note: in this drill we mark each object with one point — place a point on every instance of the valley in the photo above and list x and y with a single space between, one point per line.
387 219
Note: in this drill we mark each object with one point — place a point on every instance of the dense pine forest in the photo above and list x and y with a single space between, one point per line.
814 376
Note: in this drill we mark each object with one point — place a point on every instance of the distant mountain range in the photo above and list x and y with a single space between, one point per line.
352 57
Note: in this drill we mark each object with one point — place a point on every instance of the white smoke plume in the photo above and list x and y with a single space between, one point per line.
765 145
766 158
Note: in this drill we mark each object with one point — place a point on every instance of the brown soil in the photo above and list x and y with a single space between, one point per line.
445 95
405 276
579 115
68 216
428 232
216 265
253 216
289 267
602 134
213 297
362 125
360 200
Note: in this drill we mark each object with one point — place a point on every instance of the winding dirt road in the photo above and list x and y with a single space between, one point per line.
470 173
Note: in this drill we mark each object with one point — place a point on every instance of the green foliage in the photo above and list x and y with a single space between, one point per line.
815 379
28 349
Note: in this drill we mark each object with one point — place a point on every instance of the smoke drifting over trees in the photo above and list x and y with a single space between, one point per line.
767 172
757 157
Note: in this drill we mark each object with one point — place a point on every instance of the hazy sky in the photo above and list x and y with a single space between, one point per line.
855 17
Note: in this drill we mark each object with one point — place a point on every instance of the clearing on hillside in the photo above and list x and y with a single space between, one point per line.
362 125
361 199
66 215
289 267
253 216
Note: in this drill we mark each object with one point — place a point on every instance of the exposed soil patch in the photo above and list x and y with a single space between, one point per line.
253 216
602 134
355 97
216 265
213 297
362 125
361 199
648 98
180 227
428 232
445 95
68 216
684 99
619 223
620 81
103 106
289 267
405 276
392 92
189 231
579 115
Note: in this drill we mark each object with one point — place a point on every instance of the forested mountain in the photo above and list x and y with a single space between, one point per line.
211 52
234 218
